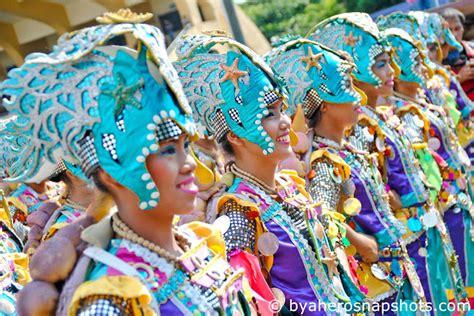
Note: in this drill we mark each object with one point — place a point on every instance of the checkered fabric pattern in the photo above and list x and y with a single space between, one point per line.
60 167
102 305
311 102
168 130
120 123
88 155
239 100
110 144
219 125
234 114
270 97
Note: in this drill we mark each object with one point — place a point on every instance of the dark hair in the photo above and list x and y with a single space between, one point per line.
226 146
62 176
315 119
97 182
451 13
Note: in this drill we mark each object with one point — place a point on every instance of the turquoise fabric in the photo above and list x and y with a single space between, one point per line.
329 76
406 53
412 24
356 34
114 95
219 103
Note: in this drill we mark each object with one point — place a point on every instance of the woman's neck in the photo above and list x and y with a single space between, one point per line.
262 169
328 131
39 188
407 90
81 194
152 227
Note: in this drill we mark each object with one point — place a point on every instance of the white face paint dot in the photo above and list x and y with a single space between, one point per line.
150 127
154 147
145 151
172 113
271 144
150 185
259 115
155 195
259 128
263 133
164 114
156 119
146 176
150 137
268 138
143 205
270 150
141 159
153 203
264 152
258 122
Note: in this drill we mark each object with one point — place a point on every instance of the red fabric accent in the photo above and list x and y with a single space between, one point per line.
253 273
467 86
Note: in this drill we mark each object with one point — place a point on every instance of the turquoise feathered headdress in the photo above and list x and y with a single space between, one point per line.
356 34
406 54
228 91
99 105
313 73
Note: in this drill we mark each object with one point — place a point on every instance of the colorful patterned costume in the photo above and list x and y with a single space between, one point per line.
126 103
281 230
346 176
426 235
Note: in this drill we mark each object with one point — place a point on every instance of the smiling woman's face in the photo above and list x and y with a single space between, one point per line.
172 171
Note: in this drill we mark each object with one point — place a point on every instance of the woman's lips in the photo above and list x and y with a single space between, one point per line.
390 83
188 186
284 139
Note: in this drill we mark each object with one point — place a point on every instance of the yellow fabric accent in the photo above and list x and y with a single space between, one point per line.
299 122
338 161
393 63
450 294
413 108
126 287
420 146
334 215
363 96
205 177
443 74
21 262
18 204
210 234
54 229
293 138
366 278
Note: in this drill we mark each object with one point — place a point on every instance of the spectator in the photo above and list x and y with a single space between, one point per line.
462 62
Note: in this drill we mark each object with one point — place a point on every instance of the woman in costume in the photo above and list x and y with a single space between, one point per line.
453 197
129 128
426 236
269 221
331 104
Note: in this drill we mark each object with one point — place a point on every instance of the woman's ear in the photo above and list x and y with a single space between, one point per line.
324 107
233 139
107 181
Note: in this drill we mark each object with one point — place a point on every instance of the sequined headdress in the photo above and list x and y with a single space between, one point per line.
415 27
356 34
99 105
439 27
228 91
406 54
313 73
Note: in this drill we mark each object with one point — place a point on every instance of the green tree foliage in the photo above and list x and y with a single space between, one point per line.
280 17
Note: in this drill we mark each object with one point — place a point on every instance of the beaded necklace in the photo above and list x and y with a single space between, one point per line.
252 179
122 229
